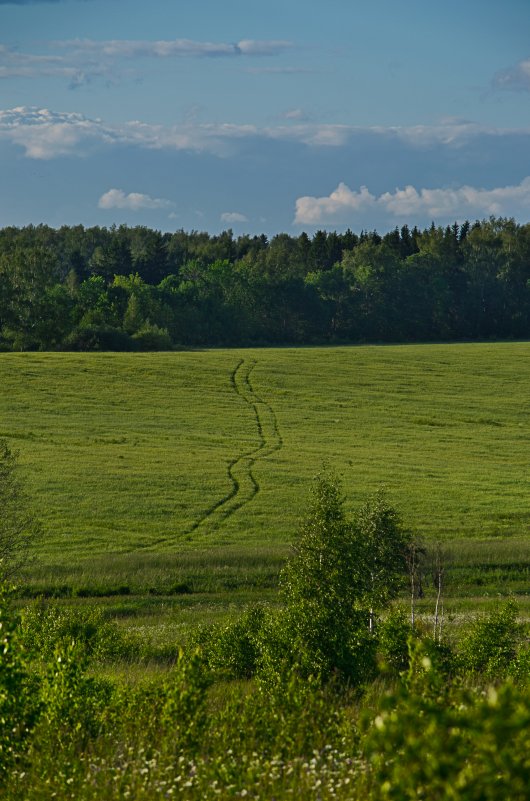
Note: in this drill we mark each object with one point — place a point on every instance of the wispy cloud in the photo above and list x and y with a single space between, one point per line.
279 70
171 48
134 201
296 114
516 78
233 217
29 2
14 64
80 60
459 204
46 134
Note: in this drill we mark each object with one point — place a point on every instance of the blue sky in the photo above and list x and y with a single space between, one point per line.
285 116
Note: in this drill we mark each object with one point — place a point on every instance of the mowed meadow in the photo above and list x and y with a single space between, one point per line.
185 473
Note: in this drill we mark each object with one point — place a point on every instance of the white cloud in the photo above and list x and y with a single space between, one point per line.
296 114
81 60
134 201
313 210
279 71
46 134
233 217
171 48
515 78
14 64
252 47
454 204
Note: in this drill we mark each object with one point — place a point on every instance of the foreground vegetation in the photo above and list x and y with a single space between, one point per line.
315 699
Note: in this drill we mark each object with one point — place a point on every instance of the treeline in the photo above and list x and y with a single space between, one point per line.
123 288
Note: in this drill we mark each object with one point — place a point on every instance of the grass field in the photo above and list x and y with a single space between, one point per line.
163 473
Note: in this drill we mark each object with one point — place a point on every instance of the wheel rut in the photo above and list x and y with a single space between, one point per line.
244 484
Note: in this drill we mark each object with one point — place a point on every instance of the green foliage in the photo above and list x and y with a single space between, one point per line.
324 566
99 338
437 284
184 713
315 641
72 735
75 705
339 571
519 667
45 628
383 545
151 337
435 740
394 635
233 651
19 691
491 645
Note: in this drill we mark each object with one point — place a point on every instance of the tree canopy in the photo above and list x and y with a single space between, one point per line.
462 282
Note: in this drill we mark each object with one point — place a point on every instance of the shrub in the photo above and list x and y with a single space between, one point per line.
491 644
436 740
152 338
19 691
234 650
393 635
99 338
45 628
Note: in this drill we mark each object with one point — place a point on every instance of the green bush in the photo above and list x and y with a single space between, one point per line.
99 338
519 667
491 644
234 651
152 338
20 704
393 639
44 628
74 704
435 740
315 642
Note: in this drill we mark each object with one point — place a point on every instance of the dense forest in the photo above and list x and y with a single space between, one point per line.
124 288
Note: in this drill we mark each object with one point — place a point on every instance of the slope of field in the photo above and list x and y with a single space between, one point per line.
140 463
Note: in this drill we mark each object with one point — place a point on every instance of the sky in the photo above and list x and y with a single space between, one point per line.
285 116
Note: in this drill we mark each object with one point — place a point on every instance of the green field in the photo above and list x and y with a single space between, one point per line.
168 472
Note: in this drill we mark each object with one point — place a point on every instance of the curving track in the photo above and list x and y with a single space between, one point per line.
244 483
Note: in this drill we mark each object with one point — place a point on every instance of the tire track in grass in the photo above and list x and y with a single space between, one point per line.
245 486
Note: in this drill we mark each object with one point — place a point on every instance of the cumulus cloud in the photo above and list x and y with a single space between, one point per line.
515 78
233 217
313 210
461 203
134 201
46 134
